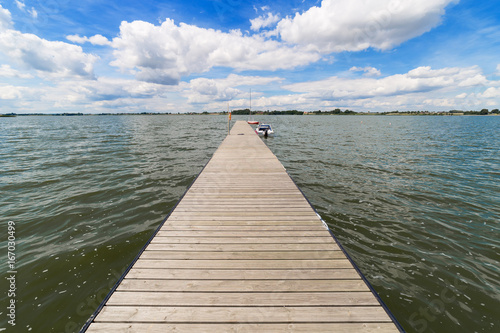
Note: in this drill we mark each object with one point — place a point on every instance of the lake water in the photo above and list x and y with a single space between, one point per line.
414 200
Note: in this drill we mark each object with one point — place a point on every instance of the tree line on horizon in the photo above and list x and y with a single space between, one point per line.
274 112
290 112
350 112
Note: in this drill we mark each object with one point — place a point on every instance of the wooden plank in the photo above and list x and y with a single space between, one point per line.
242 209
236 190
243 328
260 197
283 188
240 233
237 222
307 247
247 255
241 217
160 298
242 274
277 215
244 285
213 314
244 264
243 203
315 227
240 240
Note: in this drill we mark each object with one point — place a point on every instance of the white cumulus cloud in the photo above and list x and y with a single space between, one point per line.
368 71
263 21
206 90
9 72
49 57
98 95
57 58
5 18
10 92
94 40
355 25
419 80
165 53
491 92
203 90
77 39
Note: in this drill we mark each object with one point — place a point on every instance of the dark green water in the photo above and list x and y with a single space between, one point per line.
415 200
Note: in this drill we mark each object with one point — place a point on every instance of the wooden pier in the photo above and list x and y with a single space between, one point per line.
243 251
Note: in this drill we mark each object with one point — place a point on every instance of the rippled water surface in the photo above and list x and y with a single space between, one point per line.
415 201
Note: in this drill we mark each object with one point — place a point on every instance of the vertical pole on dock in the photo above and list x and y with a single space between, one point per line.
228 119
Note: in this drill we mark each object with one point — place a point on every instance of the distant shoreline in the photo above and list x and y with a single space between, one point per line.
262 113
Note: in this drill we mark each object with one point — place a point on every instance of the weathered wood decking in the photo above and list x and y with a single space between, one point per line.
243 252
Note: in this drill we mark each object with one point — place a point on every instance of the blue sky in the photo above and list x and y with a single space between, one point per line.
182 56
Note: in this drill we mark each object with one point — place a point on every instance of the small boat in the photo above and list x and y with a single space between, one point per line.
264 130
253 122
